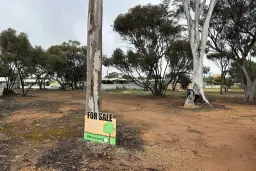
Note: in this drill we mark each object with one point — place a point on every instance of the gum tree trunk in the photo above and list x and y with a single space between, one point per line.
94 57
40 83
221 83
250 92
249 87
198 43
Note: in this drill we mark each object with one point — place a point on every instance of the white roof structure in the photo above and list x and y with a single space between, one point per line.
114 79
30 80
2 79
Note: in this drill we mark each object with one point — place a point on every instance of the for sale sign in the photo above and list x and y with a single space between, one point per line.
100 127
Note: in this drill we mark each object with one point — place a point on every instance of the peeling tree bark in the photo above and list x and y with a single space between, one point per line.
198 43
250 92
221 83
94 57
250 87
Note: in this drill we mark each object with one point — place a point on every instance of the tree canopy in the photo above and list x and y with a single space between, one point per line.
151 30
223 63
19 60
233 33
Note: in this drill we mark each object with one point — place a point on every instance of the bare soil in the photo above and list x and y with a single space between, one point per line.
44 131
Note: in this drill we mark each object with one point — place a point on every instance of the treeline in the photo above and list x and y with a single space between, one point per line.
159 54
161 51
19 60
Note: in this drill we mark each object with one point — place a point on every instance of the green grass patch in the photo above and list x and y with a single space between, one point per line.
130 91
209 92
21 131
8 106
99 138
176 93
217 90
145 93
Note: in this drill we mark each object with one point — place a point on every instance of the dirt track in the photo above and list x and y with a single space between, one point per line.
154 134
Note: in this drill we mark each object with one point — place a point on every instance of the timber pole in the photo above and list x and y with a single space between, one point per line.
94 56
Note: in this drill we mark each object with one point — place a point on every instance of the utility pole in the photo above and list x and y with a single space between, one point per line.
94 56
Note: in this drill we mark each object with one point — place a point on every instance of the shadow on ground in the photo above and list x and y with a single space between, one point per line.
8 106
6 157
129 137
5 164
71 152
77 154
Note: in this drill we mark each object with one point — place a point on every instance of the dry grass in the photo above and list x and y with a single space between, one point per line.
45 129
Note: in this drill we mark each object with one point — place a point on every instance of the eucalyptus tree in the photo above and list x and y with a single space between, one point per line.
233 33
198 15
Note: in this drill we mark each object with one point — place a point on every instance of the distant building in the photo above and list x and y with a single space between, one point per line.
115 81
2 80
118 83
27 83
2 86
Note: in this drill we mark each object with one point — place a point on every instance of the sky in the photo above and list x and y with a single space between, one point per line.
51 22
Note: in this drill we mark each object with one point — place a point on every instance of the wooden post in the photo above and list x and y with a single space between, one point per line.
94 57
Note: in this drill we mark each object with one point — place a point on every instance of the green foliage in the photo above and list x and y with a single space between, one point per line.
108 128
151 30
184 81
16 56
238 19
59 63
229 82
128 77
68 62
113 75
251 68
107 62
180 58
43 64
180 62
217 80
236 73
148 21
209 80
222 61
233 34
19 60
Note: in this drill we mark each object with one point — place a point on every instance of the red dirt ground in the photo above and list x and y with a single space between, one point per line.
161 134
